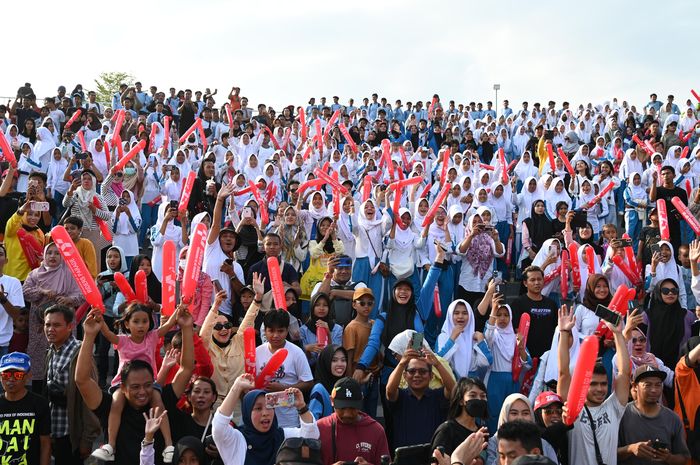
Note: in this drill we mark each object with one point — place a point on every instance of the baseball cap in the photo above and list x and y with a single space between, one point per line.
547 398
648 371
15 361
347 394
361 292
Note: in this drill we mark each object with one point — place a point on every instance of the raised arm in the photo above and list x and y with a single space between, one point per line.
392 386
567 321
183 375
225 191
622 382
86 384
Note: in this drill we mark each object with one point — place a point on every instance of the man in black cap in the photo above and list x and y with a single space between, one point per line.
650 432
219 260
363 439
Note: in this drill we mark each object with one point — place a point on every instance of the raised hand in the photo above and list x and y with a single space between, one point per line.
567 320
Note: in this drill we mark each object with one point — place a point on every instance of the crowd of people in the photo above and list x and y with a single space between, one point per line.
440 267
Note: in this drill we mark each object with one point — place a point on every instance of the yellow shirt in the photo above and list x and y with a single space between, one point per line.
17 265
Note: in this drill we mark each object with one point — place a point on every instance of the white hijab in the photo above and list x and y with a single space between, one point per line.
460 355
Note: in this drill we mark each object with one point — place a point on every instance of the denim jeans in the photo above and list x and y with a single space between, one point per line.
149 216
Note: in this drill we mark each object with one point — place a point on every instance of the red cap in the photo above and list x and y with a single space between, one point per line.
546 399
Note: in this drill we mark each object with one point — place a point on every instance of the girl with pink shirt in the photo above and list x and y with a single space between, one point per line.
138 341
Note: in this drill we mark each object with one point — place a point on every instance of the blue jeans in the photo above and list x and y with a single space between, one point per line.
58 199
634 227
149 216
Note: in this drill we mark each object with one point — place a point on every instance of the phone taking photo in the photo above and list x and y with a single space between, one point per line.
417 341
608 315
279 399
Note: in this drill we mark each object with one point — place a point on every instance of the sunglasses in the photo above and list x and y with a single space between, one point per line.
419 371
220 326
18 375
364 303
669 291
641 340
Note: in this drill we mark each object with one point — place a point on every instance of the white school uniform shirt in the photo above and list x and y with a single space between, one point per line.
13 288
214 257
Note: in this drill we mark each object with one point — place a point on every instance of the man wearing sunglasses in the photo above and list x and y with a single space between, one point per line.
25 418
338 285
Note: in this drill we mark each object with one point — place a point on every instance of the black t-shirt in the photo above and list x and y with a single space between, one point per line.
131 430
450 435
667 194
543 322
22 422
182 423
289 274
8 207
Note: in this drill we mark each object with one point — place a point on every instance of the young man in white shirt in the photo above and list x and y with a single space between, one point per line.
594 438
11 302
294 371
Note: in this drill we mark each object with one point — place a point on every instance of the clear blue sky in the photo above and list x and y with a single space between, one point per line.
282 52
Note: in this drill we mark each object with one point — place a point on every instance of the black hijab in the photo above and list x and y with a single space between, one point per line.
539 227
399 317
154 287
328 245
189 443
329 319
323 373
666 326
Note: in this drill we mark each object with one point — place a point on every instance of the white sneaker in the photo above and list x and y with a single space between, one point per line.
167 454
104 453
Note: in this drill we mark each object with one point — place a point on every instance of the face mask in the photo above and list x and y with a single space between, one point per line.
129 171
697 131
183 262
476 408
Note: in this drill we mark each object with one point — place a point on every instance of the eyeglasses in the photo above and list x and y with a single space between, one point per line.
669 291
18 375
418 371
220 326
553 411
641 340
365 303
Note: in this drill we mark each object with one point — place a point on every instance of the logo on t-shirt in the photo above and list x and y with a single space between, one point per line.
363 447
541 312
16 430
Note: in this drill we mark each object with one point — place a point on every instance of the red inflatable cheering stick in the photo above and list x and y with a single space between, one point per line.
523 330
438 201
129 155
566 161
686 214
575 266
186 192
581 378
268 373
273 268
193 265
141 286
124 287
249 350
7 152
663 220
169 275
77 267
102 224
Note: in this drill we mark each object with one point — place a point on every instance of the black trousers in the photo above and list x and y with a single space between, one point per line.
63 453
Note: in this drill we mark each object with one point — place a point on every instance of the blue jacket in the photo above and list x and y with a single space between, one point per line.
424 305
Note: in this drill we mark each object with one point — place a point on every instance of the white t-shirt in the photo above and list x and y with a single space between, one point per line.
294 369
214 257
607 425
13 288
